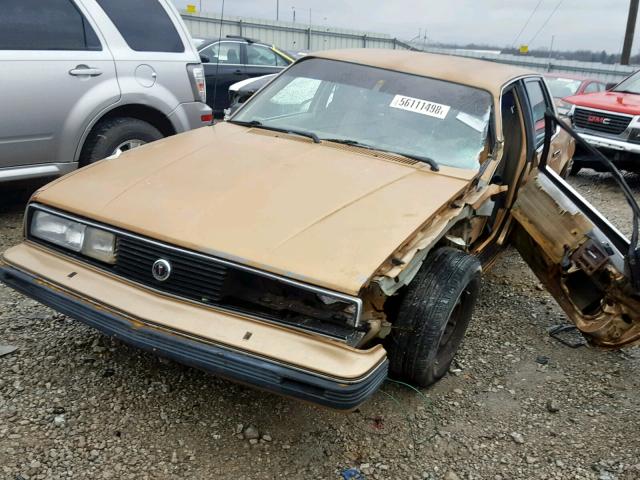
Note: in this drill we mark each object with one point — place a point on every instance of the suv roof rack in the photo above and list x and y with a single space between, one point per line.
246 39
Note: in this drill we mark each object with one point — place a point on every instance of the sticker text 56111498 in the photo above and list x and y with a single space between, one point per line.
417 105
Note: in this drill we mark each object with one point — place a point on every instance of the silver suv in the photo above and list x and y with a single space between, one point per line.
85 79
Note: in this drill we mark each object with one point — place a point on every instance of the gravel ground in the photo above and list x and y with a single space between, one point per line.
519 405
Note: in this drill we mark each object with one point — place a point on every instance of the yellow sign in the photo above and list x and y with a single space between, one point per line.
524 49
191 8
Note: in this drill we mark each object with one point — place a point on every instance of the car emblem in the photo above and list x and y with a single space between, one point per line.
596 119
161 270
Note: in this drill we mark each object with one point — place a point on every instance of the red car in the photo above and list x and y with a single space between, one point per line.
565 85
610 121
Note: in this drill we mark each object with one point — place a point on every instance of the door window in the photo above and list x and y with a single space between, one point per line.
144 25
281 62
539 102
594 87
262 56
50 25
223 53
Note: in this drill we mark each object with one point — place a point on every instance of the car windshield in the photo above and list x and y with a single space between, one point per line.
630 84
563 87
376 108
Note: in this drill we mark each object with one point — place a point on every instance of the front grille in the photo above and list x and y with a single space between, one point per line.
191 277
603 122
224 284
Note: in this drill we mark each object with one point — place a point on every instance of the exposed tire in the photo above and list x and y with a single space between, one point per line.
433 316
114 133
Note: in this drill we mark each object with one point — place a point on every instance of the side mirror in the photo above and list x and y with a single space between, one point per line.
610 85
204 59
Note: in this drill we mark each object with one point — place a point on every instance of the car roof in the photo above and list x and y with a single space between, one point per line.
490 76
210 41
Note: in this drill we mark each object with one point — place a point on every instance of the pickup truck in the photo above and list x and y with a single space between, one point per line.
610 121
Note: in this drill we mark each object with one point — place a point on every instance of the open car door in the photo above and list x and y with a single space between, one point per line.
583 261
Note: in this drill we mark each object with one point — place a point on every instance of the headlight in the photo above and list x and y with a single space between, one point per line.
99 244
59 231
75 236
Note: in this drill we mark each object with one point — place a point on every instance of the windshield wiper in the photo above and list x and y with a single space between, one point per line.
259 124
420 158
624 91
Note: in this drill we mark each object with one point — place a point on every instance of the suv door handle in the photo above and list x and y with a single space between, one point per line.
556 153
237 72
82 70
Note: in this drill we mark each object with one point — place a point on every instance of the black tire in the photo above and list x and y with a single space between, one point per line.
109 134
433 316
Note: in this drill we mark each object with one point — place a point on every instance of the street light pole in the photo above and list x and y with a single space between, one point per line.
628 36
277 10
294 14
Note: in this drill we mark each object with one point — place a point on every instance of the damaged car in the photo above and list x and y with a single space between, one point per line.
334 231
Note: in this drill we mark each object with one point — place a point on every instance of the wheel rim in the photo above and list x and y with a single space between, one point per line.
449 341
126 146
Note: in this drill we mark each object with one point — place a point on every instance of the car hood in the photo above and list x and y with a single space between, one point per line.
321 213
628 103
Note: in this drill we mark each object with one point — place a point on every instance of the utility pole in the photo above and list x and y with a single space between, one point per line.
277 10
294 14
628 36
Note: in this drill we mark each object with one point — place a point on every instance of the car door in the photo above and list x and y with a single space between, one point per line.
581 259
562 145
51 56
262 60
223 68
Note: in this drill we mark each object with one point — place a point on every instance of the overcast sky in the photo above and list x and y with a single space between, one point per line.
577 24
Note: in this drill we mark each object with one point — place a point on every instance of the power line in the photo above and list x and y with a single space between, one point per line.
546 21
533 12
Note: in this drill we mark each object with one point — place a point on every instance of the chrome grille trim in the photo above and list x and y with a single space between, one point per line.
618 123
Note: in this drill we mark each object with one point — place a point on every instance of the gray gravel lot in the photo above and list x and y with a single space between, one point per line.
75 404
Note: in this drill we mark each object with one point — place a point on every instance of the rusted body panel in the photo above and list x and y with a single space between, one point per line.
589 284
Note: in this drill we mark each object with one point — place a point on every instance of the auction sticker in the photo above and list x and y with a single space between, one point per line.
420 106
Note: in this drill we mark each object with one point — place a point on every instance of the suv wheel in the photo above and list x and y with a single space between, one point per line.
115 136
433 316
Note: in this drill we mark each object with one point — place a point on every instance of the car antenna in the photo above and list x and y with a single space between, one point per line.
215 82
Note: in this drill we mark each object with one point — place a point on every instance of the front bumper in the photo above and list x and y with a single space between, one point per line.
223 360
610 143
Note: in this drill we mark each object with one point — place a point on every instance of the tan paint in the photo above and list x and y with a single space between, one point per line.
308 211
551 229
143 307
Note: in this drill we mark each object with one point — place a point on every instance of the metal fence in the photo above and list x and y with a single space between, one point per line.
600 71
287 35
297 36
